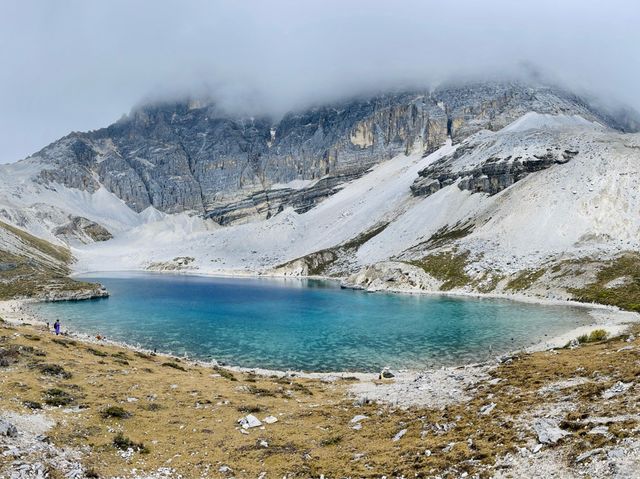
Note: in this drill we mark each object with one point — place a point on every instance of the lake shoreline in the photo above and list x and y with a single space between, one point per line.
517 297
611 319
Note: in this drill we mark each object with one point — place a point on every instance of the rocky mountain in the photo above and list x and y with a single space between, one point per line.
192 156
492 187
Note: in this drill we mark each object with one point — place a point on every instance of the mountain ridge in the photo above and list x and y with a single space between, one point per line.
478 188
181 156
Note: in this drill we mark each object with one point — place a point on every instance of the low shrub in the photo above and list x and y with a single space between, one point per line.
331 441
593 337
120 441
54 370
115 412
32 404
173 365
250 409
57 397
97 352
225 373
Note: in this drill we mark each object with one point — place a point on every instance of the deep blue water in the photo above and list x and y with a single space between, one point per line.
306 324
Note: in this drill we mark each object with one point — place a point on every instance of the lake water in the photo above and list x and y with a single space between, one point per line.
306 324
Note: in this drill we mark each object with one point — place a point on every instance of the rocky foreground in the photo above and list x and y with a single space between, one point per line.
86 409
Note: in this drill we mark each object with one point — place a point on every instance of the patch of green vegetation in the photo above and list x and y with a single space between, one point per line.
301 388
331 441
54 370
362 238
319 262
120 441
225 373
57 397
258 391
56 252
31 337
594 336
525 279
9 355
625 295
488 282
171 364
32 404
64 342
250 409
142 355
448 267
115 412
40 269
97 352
91 474
448 234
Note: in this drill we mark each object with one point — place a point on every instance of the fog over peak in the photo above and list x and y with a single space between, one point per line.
78 65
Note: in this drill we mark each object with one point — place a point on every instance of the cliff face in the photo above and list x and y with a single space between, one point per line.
189 156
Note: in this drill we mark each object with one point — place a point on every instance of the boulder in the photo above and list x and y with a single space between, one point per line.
7 429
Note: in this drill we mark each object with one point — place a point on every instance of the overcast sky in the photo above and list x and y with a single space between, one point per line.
70 65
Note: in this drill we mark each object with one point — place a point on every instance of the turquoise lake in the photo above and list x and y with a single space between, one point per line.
306 324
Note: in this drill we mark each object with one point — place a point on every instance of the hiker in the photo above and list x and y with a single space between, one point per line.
56 327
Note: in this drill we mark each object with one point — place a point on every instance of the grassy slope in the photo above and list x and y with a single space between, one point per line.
625 271
34 266
188 413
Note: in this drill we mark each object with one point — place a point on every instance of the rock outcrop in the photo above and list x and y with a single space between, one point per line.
82 230
492 176
193 156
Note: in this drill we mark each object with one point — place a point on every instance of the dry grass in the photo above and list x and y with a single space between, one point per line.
190 415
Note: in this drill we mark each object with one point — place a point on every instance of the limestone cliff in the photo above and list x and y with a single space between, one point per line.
193 156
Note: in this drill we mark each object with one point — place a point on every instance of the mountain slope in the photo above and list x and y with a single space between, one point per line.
192 156
32 267
497 187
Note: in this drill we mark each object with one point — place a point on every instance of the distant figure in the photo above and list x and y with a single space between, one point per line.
48 326
56 327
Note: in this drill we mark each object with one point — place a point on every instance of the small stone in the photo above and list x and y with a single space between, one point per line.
616 453
225 469
548 431
386 374
536 449
358 418
270 419
264 443
617 389
398 436
249 421
604 430
486 409
7 429
588 454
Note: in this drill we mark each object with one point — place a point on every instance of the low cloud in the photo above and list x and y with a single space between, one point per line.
77 65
